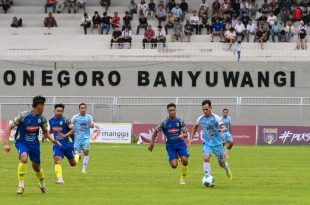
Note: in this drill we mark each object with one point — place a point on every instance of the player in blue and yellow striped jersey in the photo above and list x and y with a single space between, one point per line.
63 131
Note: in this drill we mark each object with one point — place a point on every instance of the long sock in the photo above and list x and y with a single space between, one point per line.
77 157
85 162
184 172
207 168
40 176
21 173
227 151
226 166
58 171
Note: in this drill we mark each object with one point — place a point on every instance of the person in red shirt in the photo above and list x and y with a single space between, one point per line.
50 3
297 13
115 21
149 36
50 21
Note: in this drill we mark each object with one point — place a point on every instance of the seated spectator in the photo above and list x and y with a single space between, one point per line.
306 15
106 4
86 22
149 37
50 3
105 23
250 30
6 4
216 6
258 14
16 22
234 21
289 31
240 29
50 21
230 36
184 7
96 19
217 30
116 37
161 14
265 7
271 19
171 4
266 27
142 23
297 13
205 5
274 7
188 30
160 36
71 4
285 16
133 8
177 11
142 8
301 26
302 40
261 36
253 8
81 4
177 32
151 9
276 31
204 23
115 21
169 22
244 8
67 3
126 21
194 20
225 7
126 36
245 19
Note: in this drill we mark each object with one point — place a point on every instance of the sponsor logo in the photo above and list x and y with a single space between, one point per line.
57 129
291 137
32 128
270 135
173 131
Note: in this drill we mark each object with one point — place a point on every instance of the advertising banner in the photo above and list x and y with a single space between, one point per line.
111 132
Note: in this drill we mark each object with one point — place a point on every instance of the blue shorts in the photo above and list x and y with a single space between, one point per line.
63 151
33 151
177 149
81 144
217 150
227 137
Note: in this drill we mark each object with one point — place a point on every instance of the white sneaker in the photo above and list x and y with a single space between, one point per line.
60 181
182 181
84 171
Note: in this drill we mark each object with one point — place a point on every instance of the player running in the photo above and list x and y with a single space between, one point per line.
28 125
82 123
213 143
175 132
226 136
63 130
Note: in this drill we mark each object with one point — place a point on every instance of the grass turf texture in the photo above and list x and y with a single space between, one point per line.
129 174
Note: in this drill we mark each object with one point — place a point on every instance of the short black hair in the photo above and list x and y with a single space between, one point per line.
38 100
225 109
205 102
171 105
82 104
59 105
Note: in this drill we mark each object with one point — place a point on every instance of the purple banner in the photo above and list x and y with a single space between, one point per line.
283 135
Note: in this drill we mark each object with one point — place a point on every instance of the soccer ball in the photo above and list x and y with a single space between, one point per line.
208 181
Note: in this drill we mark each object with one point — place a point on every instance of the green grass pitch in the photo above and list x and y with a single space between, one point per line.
130 174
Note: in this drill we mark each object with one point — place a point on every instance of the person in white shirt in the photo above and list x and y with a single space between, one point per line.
289 31
250 30
86 22
194 20
205 5
230 36
126 36
271 19
240 29
142 8
160 36
81 4
238 49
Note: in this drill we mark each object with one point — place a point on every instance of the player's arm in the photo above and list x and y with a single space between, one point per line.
195 128
46 133
70 126
230 128
158 129
184 131
6 142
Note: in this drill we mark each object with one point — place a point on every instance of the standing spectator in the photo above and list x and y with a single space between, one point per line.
188 30
161 14
217 30
216 6
240 29
115 21
86 22
142 8
50 3
261 37
265 7
126 21
126 36
177 32
105 23
106 4
230 37
96 19
297 13
160 36
142 23
276 31
169 22
238 49
177 11
250 30
133 8
302 40
151 9
149 36
289 31
271 19
194 20
81 4
16 22
50 21
116 37
184 7
204 23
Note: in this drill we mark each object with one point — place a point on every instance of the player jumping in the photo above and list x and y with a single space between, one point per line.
226 136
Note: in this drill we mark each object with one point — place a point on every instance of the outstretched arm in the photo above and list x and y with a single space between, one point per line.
192 134
6 143
151 146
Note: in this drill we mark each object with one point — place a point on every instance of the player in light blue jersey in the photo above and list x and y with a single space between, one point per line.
82 123
226 136
213 144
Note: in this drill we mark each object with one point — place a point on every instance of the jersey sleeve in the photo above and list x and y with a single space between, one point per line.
68 123
73 119
91 119
44 125
19 119
183 127
160 127
198 120
218 120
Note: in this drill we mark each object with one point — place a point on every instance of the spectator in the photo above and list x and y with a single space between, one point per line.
306 15
285 16
188 30
289 31
271 19
184 6
50 3
217 30
106 4
250 30
161 14
253 8
149 36
301 26
71 4
50 21
205 5
238 49
115 21
151 9
177 11
126 21
234 21
133 8
142 8
116 37
6 4
258 15
194 20
177 32
245 19
276 31
61 5
240 29
204 23
225 7
297 13
160 36
96 19
105 23
266 28
126 36
244 8
302 41
16 22
265 7
86 22
274 7
261 36
216 6
81 4
171 4
285 4
169 22
230 36
142 23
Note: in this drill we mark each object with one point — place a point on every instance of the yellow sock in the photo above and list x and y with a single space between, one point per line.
58 170
184 171
40 176
77 158
21 173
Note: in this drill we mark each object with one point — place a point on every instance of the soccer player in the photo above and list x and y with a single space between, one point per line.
175 132
213 144
63 130
82 123
27 143
226 136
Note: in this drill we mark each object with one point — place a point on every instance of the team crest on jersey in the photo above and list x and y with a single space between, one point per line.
60 123
212 121
178 124
39 121
270 135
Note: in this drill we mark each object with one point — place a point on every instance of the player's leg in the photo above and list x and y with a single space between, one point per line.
183 154
85 147
69 153
173 156
207 154
229 142
23 153
219 153
78 149
58 155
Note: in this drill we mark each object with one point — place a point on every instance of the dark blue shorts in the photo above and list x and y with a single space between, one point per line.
33 151
176 149
63 151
